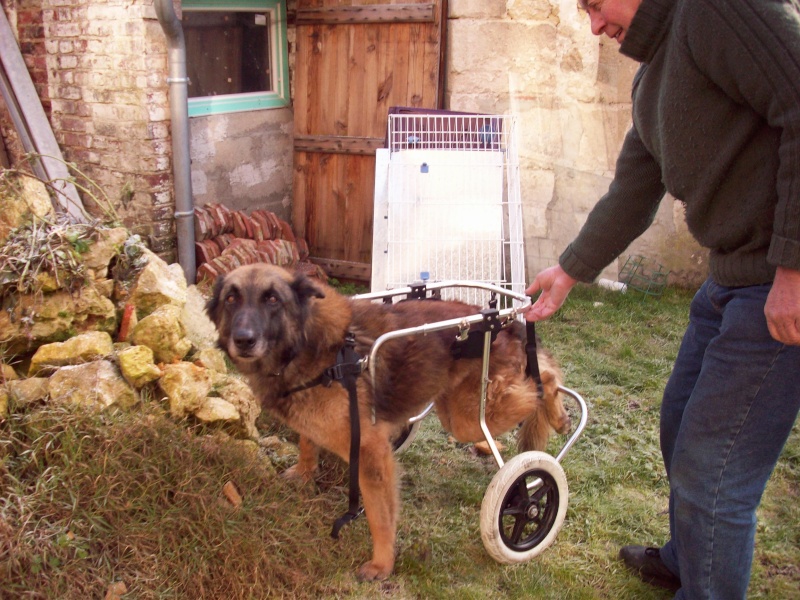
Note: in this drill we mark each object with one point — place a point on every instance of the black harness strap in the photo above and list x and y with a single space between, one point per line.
329 375
323 378
532 368
472 345
347 369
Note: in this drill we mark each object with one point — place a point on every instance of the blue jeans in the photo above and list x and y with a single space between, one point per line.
727 412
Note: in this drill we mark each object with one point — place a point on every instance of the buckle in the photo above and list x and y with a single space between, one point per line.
335 372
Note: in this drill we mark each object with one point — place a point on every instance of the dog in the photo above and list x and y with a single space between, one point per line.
283 329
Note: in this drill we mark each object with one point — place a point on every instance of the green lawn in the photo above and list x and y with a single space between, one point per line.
90 500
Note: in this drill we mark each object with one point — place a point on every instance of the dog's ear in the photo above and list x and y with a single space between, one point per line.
212 306
304 288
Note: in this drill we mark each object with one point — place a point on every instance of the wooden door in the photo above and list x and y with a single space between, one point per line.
354 62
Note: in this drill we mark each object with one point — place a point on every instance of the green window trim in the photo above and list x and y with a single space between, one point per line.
214 105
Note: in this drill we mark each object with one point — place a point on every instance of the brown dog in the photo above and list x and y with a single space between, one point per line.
283 330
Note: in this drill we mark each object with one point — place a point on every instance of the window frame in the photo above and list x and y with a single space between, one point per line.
226 103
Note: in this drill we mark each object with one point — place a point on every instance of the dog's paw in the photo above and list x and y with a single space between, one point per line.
557 415
299 474
563 424
373 571
549 384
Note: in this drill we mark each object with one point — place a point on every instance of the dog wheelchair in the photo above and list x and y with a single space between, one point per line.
525 504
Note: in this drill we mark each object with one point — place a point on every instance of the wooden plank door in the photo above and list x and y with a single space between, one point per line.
354 62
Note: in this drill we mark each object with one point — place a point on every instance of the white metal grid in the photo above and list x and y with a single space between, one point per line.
449 204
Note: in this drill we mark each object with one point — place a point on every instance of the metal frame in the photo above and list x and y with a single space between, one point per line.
462 325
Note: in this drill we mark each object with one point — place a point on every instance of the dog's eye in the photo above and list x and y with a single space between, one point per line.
230 298
270 299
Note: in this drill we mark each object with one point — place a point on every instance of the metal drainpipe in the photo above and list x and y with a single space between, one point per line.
179 115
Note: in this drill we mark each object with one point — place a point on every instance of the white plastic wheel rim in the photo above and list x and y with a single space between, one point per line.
501 484
412 433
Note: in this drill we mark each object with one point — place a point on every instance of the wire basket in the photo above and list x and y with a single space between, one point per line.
645 276
448 204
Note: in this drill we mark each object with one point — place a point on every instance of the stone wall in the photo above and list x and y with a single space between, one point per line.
570 92
244 160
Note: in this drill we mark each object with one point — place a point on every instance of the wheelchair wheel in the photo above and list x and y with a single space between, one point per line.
524 507
405 437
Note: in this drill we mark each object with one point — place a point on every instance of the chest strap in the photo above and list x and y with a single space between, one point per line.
333 373
346 370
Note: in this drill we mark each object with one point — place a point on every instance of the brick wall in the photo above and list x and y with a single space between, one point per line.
26 18
100 69
30 31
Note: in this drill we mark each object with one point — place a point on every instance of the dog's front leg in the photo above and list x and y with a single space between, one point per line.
378 484
307 462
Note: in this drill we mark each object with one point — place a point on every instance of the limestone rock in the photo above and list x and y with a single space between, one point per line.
3 403
105 287
162 332
279 448
7 373
23 199
186 386
216 409
27 391
236 392
97 384
199 328
137 366
158 284
47 282
108 244
44 318
77 350
211 358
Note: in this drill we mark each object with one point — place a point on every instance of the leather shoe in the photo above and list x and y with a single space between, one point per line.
647 564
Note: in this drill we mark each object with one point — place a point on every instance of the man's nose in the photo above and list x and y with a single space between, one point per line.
597 21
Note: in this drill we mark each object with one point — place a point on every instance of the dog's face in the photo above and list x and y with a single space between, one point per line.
259 311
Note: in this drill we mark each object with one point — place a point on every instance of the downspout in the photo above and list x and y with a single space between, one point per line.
179 116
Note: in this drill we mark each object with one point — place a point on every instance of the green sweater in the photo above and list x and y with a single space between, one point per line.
716 122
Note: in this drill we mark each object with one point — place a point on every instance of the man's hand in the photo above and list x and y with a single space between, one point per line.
783 307
555 285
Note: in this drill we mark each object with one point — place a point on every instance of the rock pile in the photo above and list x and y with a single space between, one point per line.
89 315
132 329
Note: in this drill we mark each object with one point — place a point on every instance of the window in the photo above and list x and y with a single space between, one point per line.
235 55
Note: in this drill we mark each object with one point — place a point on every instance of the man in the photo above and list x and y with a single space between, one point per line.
716 122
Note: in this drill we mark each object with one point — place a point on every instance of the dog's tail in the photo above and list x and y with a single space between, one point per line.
549 415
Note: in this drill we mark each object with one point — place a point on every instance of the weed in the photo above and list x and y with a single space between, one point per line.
347 288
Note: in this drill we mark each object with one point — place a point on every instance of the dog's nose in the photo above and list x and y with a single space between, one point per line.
245 339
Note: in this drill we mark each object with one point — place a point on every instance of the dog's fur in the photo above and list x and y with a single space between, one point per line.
282 330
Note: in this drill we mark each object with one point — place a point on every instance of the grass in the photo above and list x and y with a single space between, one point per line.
89 500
